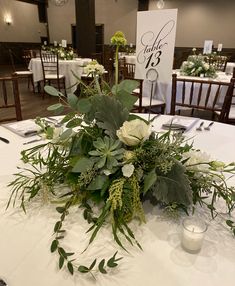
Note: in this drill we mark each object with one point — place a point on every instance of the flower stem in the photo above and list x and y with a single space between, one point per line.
116 66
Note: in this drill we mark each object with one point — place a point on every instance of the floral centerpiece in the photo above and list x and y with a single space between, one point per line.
196 65
108 161
63 53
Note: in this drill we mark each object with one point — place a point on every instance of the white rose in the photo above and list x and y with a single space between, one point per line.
127 170
134 131
197 160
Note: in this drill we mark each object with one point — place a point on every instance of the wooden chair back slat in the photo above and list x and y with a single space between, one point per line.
208 93
199 94
9 91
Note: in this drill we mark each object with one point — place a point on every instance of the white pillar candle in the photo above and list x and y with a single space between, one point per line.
55 43
220 46
45 43
193 234
64 43
131 45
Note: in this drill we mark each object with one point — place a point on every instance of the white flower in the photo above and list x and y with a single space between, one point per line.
56 134
94 67
206 66
196 159
127 170
134 131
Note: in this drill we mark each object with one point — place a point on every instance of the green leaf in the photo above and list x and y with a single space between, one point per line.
84 105
126 86
82 165
60 209
83 269
101 266
68 117
70 267
72 101
174 186
66 134
57 226
110 114
62 252
51 90
54 245
127 99
92 265
55 107
149 180
97 183
61 262
74 123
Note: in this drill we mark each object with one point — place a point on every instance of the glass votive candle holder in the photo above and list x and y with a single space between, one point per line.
193 233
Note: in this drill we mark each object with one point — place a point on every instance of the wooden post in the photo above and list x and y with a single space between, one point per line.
85 27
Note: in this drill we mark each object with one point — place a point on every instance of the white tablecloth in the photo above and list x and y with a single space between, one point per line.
25 239
229 67
65 68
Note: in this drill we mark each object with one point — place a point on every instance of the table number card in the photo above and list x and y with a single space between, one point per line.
220 46
64 43
155 44
208 45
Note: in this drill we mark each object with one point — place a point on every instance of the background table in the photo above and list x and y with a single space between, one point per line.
66 67
25 239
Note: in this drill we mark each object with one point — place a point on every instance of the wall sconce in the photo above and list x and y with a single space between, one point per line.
8 20
160 4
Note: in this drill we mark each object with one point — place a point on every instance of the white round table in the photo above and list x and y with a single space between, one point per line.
25 238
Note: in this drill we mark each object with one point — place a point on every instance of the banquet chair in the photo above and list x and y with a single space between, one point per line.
231 114
9 99
25 73
143 102
50 70
219 63
201 95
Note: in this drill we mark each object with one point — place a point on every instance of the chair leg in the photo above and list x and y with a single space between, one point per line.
32 82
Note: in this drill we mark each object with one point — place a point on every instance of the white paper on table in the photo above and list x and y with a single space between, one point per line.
25 128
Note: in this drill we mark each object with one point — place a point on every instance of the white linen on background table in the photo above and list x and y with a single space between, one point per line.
25 257
66 67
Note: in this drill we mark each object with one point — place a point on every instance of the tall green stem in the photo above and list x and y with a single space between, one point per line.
116 66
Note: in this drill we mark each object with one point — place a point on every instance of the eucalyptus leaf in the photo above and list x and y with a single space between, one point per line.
101 267
66 134
55 107
84 105
51 90
72 101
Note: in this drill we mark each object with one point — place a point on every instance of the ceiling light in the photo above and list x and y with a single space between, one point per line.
160 4
59 2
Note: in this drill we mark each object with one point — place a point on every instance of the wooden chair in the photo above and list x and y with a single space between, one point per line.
9 98
98 57
25 73
231 115
199 94
219 62
143 102
50 69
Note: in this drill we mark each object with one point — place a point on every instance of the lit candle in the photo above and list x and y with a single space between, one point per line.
220 46
64 43
193 234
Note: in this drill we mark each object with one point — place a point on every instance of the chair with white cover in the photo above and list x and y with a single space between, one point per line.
9 99
50 69
143 103
204 95
24 73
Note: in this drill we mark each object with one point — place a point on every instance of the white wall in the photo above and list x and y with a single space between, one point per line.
117 15
25 25
60 19
200 20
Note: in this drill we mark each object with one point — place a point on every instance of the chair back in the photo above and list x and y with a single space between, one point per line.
50 63
219 63
129 70
98 57
28 55
199 94
9 99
